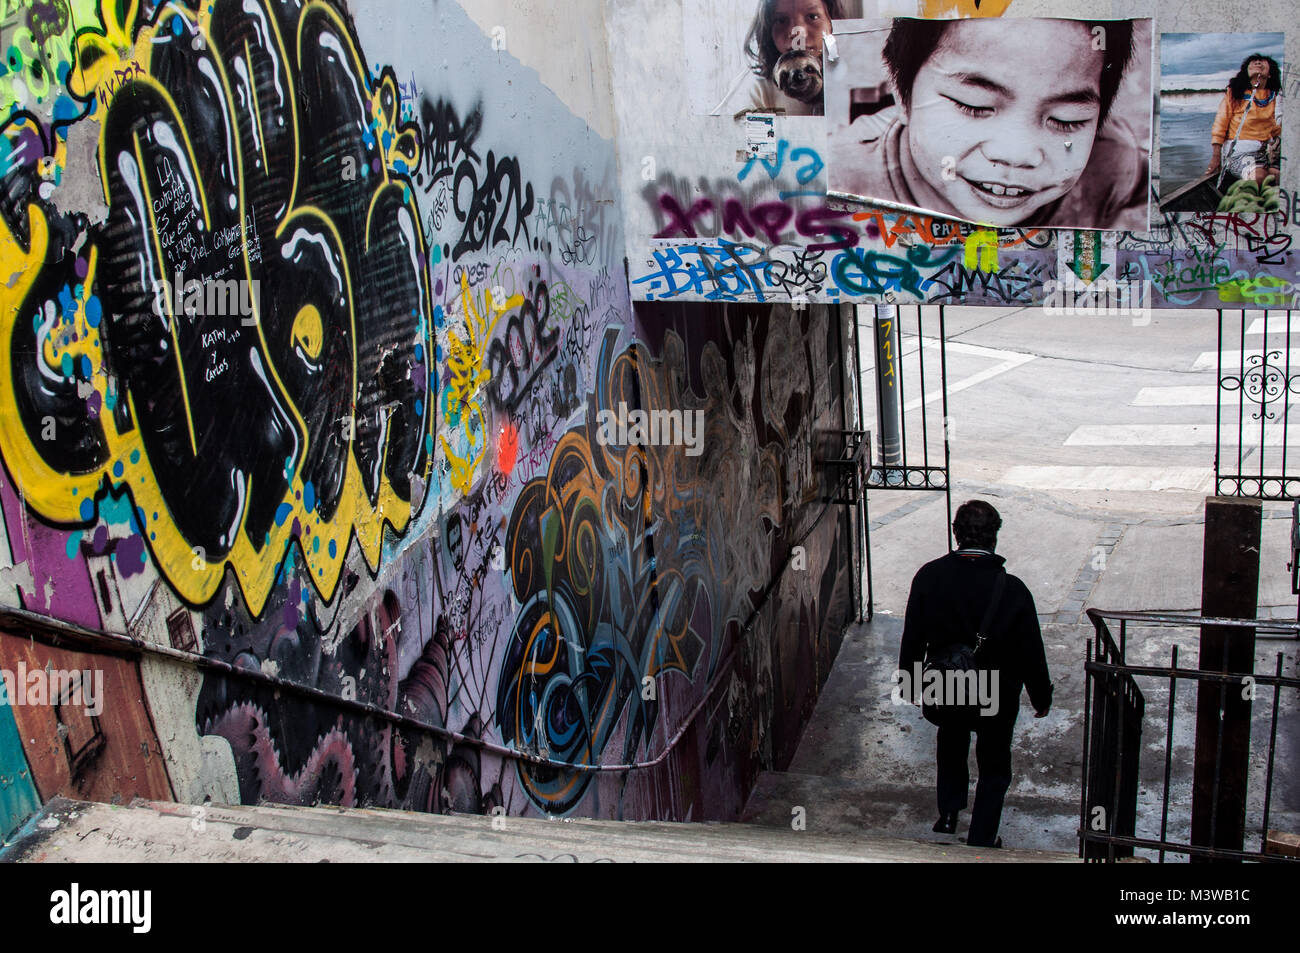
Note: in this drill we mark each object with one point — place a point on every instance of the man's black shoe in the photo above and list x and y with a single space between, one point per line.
946 824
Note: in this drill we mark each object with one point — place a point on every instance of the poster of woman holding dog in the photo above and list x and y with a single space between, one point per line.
785 48
763 55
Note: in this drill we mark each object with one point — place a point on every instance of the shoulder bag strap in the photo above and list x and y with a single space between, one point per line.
986 624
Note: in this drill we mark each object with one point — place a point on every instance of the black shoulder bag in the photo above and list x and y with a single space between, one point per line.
959 658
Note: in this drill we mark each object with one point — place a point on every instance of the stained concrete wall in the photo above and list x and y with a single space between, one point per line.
565 43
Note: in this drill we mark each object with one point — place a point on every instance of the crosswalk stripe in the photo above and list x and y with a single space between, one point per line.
1168 435
1276 325
971 381
979 350
1110 478
911 344
1190 396
1233 361
1010 360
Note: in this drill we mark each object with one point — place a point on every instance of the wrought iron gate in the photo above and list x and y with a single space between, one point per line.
1118 767
903 348
1253 407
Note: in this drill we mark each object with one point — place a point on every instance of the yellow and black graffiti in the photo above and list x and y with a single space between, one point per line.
244 345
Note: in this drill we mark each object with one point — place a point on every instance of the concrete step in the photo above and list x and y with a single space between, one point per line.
836 805
865 765
149 831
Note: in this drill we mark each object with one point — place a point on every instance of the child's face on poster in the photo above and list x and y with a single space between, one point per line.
1002 121
797 22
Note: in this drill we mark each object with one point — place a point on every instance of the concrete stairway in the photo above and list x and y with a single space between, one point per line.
145 831
866 766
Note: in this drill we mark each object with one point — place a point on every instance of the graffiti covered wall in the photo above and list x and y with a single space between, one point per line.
309 342
716 213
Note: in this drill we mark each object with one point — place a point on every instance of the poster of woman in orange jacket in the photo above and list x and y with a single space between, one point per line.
1246 137
1221 124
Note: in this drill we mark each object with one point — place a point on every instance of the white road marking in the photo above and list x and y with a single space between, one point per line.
1169 435
1196 479
980 378
911 344
978 350
1232 360
1191 396
1276 325
1009 361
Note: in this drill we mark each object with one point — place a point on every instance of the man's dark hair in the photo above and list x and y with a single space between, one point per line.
912 41
759 46
1240 84
976 525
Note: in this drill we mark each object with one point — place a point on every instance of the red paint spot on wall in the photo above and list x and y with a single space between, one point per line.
507 448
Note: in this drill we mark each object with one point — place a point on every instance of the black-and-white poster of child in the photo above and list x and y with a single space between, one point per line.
1003 121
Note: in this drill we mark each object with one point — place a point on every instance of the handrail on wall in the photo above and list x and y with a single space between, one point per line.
57 631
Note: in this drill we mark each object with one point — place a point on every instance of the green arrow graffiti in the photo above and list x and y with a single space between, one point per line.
1087 266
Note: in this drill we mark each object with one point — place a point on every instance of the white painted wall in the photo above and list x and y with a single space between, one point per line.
565 43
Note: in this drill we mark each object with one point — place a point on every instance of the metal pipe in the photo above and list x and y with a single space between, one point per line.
1117 700
1263 407
1272 751
1286 394
925 422
1087 722
943 379
902 395
1241 406
887 378
1212 853
1191 674
1169 750
1218 402
1191 620
865 516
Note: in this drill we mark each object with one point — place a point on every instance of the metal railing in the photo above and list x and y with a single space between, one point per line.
1113 750
911 433
1253 407
923 466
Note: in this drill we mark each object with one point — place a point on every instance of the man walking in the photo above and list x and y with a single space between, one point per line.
949 604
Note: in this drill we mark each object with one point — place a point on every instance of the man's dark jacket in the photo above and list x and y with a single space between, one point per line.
948 600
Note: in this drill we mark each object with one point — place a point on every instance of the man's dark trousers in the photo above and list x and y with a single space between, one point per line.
992 756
